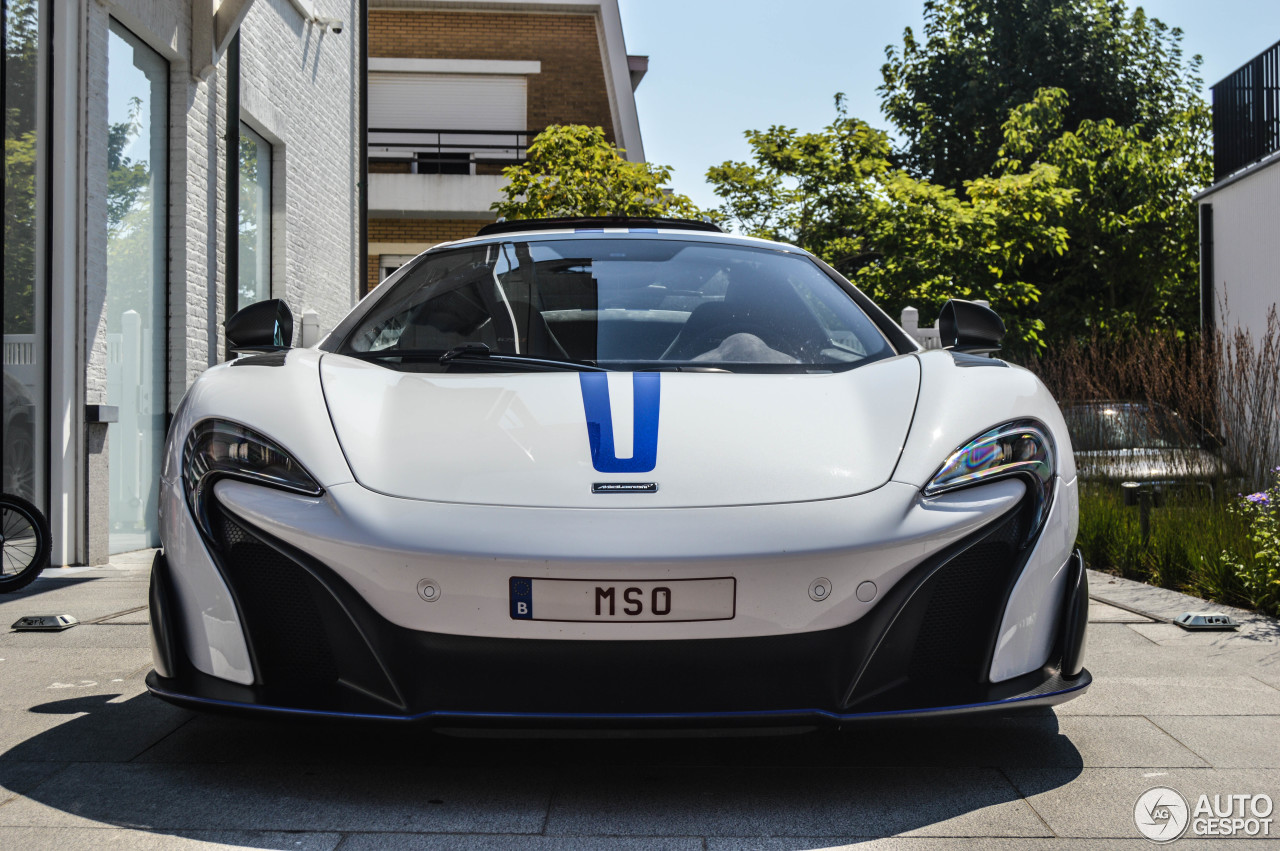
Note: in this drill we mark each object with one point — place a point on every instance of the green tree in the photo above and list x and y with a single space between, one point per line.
1132 255
902 239
949 95
1050 153
818 190
573 170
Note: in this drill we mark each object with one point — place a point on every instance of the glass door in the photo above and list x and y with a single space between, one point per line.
137 282
26 320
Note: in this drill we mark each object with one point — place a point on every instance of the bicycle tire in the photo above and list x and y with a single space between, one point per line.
24 543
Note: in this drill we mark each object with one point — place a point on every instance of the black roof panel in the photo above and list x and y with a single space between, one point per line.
523 225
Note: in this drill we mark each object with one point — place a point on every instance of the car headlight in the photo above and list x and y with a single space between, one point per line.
1022 448
217 448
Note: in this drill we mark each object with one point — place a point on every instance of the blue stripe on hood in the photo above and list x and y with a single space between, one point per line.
646 387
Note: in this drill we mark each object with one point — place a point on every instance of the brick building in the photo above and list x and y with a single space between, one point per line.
456 92
166 164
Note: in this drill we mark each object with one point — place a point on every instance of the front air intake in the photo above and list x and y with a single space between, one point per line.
278 602
937 649
965 597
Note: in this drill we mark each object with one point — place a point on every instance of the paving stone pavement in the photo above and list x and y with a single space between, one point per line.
89 760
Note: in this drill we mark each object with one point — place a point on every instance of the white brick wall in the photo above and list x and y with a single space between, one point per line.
299 84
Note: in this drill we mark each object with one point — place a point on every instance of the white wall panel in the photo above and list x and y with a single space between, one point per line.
1246 255
1246 286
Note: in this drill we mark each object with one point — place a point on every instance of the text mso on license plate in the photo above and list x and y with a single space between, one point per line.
589 600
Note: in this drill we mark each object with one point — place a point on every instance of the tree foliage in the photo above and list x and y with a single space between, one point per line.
126 179
949 95
134 226
1069 216
1132 257
573 170
903 240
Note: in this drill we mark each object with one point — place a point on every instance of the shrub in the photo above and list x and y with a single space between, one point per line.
1226 390
1184 551
1258 566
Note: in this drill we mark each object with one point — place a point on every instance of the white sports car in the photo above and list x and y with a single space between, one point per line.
623 472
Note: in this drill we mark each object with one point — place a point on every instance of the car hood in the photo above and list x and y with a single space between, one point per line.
570 439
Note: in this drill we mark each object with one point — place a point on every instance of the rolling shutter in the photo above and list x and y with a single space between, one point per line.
446 101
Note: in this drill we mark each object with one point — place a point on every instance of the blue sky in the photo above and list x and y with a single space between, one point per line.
719 67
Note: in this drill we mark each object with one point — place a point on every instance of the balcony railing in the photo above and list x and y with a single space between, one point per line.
1246 114
428 151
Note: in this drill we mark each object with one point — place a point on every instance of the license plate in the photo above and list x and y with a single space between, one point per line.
672 600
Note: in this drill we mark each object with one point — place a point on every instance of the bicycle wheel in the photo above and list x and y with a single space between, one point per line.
24 543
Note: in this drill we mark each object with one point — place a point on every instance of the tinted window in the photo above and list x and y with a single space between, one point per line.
625 303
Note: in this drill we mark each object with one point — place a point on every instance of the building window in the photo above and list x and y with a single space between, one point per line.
389 264
135 304
26 319
431 162
254 258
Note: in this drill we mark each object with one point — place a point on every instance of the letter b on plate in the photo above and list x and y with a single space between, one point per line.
521 598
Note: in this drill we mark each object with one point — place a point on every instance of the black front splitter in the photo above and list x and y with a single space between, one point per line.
202 692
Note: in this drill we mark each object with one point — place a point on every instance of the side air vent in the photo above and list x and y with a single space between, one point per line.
967 596
937 648
278 601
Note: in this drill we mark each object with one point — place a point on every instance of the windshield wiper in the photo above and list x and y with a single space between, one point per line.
467 350
683 368
473 352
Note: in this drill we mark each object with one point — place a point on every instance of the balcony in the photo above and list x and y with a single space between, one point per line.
1246 114
454 174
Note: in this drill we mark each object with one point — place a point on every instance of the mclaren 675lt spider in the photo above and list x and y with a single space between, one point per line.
628 472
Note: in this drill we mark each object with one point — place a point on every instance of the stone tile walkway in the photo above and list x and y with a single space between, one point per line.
89 760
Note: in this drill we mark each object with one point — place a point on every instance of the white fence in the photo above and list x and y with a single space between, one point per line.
131 370
21 361
928 338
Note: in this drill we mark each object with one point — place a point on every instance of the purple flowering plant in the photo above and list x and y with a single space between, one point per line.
1259 571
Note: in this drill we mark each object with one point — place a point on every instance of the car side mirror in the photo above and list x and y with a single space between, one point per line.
966 326
266 326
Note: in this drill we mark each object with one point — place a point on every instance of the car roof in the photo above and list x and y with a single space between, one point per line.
676 229
591 222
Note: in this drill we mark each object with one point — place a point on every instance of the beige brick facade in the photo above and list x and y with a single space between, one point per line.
411 236
571 88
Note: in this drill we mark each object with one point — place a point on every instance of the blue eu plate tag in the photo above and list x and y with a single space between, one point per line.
521 598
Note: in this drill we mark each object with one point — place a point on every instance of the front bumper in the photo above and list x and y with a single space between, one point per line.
319 648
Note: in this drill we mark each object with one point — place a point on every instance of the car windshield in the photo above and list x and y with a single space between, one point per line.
1096 428
623 304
